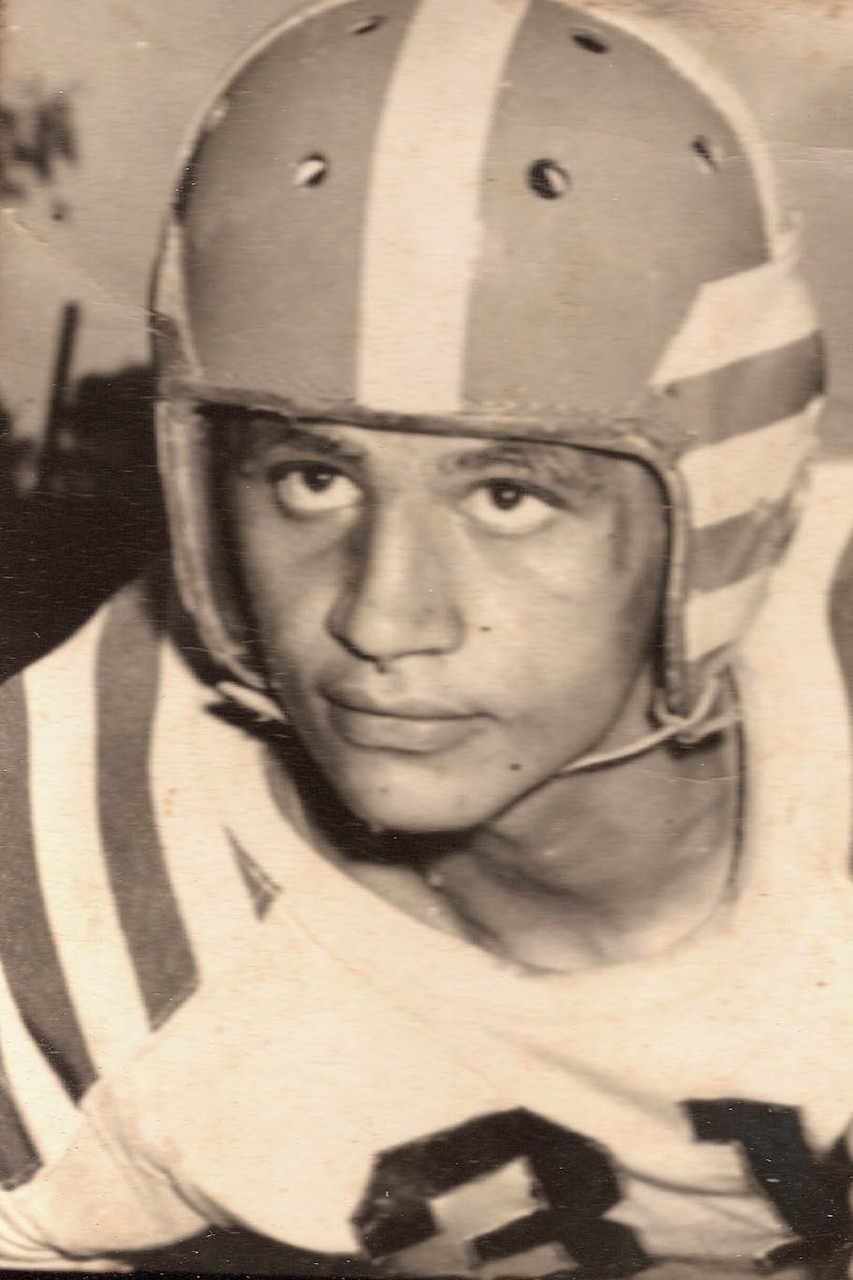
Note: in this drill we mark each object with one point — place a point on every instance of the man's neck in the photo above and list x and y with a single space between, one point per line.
590 869
603 866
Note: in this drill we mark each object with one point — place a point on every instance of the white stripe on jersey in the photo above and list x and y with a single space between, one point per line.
246 805
61 708
422 232
211 894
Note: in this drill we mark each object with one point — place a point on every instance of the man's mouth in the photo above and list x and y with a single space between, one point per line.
409 724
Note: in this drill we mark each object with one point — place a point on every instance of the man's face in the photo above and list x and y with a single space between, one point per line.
446 621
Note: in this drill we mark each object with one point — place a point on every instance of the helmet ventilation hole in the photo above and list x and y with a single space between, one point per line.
548 179
311 171
592 44
365 25
706 153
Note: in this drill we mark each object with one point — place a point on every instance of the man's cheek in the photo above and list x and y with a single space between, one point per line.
292 634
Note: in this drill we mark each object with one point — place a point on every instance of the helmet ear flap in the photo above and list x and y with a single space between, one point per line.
203 566
741 385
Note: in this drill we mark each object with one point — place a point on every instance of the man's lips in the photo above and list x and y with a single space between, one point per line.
352 697
410 724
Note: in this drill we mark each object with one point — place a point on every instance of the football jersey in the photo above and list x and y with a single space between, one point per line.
205 1022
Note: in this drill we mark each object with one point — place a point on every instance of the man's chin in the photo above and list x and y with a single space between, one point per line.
421 792
416 800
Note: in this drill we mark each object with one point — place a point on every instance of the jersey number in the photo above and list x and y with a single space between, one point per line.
569 1184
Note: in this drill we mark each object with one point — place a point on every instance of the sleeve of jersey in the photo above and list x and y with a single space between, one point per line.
88 1206
68 1199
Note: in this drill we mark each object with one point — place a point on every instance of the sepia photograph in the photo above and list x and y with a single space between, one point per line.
426 643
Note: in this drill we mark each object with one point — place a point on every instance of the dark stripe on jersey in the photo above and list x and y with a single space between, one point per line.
723 553
30 960
751 393
19 1159
127 684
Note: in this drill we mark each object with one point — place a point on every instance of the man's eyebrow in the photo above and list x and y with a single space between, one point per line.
314 439
251 428
556 462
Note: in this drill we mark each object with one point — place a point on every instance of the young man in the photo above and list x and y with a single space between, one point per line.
457 883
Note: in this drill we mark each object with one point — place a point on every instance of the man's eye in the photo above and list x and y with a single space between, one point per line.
507 507
312 490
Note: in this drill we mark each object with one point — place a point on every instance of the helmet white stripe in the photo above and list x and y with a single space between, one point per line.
740 474
712 618
207 883
738 317
422 232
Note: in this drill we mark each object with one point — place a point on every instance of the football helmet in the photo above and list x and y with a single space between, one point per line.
525 219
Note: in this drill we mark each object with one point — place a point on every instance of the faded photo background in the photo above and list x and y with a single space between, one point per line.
96 98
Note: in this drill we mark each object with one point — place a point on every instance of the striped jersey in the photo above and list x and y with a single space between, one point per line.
203 1023
122 889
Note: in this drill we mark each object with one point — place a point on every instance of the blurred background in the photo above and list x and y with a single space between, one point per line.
95 98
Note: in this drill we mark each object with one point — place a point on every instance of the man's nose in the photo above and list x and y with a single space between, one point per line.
399 595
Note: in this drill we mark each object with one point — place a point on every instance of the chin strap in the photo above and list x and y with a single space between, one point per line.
686 731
